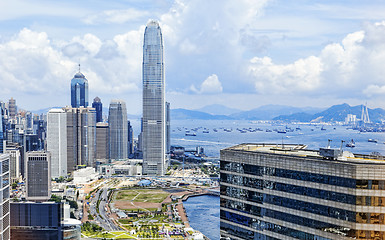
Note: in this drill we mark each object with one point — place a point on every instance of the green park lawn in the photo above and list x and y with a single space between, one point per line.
142 195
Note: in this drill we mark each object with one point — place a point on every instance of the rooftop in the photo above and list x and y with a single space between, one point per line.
301 150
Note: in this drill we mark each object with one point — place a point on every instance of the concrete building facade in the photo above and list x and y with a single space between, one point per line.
38 176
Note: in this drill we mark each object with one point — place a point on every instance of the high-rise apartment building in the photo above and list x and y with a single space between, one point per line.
288 192
81 137
97 104
57 141
79 90
118 134
38 176
153 135
4 200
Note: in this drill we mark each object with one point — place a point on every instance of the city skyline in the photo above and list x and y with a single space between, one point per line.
246 54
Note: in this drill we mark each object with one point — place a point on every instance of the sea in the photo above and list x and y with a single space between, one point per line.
315 136
203 211
203 215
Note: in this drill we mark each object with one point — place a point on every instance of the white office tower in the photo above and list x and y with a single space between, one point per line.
153 134
117 122
38 171
57 141
14 163
4 198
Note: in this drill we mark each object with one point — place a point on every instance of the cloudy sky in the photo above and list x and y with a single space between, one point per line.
242 54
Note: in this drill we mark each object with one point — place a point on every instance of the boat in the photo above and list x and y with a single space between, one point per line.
268 130
372 140
190 134
206 131
323 128
351 144
281 131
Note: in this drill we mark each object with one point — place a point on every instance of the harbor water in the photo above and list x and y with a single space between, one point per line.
203 214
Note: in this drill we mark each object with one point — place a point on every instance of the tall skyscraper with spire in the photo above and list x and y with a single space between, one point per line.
79 90
153 134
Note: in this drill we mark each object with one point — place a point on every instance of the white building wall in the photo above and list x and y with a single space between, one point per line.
57 142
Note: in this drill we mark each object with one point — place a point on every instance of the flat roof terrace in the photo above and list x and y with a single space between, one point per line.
301 150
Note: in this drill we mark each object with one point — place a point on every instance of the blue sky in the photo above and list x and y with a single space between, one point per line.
242 54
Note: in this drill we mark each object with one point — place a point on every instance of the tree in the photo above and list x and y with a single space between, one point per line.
55 198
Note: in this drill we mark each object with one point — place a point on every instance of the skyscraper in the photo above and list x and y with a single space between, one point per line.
117 122
102 142
57 141
153 101
130 139
38 176
79 90
97 104
12 108
81 137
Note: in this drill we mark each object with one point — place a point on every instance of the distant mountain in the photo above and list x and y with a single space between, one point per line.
183 114
105 112
217 109
129 116
336 113
43 110
269 112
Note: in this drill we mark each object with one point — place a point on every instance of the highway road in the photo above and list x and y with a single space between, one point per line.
102 218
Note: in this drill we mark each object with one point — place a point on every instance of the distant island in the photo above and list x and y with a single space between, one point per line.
335 113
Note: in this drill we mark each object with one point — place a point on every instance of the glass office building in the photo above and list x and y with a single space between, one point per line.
79 91
288 192
97 104
153 135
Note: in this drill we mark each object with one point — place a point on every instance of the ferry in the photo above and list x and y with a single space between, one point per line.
351 144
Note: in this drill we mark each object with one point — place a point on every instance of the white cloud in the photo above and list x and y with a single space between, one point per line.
353 67
34 64
209 86
373 90
115 16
